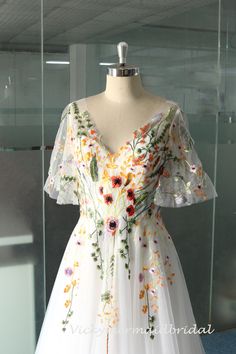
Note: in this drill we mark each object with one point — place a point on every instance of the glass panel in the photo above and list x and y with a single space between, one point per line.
22 300
21 251
224 285
20 100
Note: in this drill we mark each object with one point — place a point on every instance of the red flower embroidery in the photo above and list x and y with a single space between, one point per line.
116 181
108 198
141 130
144 129
130 210
138 160
166 173
130 194
101 189
151 157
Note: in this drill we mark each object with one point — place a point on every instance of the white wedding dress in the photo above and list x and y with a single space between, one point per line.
120 288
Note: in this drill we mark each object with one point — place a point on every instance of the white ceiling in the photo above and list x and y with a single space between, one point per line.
101 21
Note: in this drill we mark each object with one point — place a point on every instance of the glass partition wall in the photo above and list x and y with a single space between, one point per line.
22 300
59 53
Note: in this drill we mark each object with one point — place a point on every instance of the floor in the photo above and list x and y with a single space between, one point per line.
220 342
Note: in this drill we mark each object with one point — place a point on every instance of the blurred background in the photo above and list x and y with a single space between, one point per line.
53 52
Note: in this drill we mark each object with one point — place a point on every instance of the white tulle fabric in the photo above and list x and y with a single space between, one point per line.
183 181
86 334
62 180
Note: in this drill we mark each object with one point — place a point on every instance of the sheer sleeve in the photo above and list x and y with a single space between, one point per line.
62 180
183 180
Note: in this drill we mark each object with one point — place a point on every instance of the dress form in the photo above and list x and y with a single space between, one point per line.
122 107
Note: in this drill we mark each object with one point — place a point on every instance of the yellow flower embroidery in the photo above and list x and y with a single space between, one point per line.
67 303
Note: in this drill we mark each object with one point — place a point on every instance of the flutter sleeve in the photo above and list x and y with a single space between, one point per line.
183 180
62 181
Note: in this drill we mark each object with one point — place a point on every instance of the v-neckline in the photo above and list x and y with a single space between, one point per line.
150 121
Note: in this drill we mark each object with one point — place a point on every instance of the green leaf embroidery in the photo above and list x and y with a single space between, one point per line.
94 169
141 198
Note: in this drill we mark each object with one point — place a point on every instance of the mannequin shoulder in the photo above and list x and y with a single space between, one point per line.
162 103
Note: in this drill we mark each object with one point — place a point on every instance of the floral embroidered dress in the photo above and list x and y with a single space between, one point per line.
120 288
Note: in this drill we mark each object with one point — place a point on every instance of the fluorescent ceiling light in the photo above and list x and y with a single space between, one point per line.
107 63
57 62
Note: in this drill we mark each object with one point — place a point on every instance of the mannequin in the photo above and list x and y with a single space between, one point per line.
123 107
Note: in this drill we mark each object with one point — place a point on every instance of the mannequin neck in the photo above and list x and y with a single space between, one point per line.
123 89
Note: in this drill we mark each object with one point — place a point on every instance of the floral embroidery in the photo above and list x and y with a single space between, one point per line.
119 192
70 286
108 198
112 224
152 277
116 181
130 210
183 181
109 313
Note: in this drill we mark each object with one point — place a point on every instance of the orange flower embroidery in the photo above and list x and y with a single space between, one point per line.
141 294
144 308
67 288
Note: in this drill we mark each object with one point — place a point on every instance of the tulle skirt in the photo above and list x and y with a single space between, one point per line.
137 305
